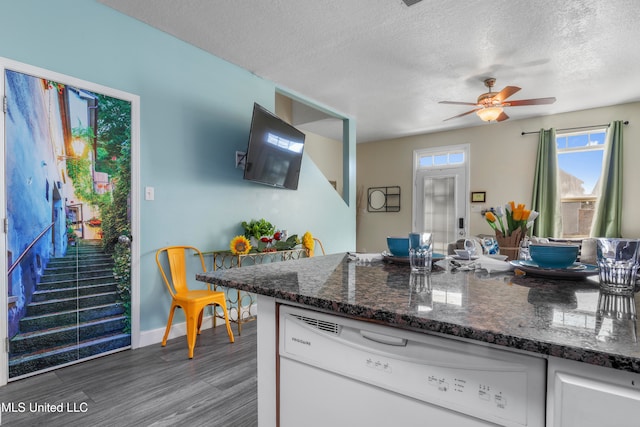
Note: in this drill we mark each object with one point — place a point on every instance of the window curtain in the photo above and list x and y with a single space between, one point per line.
546 197
607 219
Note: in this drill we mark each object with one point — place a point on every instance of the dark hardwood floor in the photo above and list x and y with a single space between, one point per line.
150 386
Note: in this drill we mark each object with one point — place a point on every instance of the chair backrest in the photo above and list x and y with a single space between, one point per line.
320 244
177 261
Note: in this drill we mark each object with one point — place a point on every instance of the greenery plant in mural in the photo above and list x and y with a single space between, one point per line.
114 157
115 223
122 274
113 148
79 170
114 131
71 235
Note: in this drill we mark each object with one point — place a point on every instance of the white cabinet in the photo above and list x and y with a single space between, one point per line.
583 395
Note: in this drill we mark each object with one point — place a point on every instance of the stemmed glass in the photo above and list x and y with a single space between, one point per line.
470 247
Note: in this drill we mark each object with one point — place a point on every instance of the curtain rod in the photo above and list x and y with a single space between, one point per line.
626 122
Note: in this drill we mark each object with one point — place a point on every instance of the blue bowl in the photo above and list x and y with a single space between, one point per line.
398 246
549 255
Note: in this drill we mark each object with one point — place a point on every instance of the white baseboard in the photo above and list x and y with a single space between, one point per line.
154 336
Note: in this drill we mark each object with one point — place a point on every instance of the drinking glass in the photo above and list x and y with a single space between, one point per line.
616 318
470 247
524 249
420 252
420 297
617 264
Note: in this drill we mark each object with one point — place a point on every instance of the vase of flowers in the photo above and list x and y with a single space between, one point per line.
256 229
511 231
262 236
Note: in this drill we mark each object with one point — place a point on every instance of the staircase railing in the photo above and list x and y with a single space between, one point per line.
26 251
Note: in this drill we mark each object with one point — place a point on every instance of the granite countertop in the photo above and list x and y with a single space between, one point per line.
540 315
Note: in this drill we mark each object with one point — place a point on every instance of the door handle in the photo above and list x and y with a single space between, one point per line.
460 222
383 339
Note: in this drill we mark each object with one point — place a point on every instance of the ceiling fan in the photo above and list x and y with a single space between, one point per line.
490 105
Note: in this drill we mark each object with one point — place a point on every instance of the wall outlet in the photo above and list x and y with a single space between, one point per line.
241 156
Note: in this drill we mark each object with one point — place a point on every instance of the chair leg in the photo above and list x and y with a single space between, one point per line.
226 319
192 328
200 321
169 321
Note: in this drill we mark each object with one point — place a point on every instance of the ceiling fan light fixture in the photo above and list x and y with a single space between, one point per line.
488 114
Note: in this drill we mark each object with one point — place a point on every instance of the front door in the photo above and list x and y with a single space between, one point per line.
440 202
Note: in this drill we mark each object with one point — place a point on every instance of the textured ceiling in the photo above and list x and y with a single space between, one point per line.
388 64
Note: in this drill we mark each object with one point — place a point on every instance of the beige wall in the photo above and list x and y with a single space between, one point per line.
284 108
502 163
326 153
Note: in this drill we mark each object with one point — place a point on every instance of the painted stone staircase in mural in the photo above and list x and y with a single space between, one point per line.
74 313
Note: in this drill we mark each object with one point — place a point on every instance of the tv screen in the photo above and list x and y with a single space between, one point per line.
274 152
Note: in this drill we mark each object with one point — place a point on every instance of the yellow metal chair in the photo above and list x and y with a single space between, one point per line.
192 302
320 244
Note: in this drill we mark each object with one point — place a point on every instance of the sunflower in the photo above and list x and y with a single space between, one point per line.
308 243
240 245
307 240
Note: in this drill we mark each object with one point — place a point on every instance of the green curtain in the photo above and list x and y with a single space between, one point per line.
546 197
607 220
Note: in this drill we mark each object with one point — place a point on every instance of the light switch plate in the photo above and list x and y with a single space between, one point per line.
149 193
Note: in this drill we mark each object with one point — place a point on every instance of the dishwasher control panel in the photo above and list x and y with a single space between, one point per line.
487 390
494 385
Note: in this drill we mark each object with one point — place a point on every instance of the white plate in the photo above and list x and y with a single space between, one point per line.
574 266
497 257
459 258
405 260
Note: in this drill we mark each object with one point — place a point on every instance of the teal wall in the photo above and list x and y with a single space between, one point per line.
195 112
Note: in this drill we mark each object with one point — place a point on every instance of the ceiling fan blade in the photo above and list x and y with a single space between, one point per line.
463 114
536 101
457 103
503 116
506 92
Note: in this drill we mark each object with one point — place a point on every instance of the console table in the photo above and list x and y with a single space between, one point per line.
240 303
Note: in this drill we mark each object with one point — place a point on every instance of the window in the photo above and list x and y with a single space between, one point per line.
580 157
437 160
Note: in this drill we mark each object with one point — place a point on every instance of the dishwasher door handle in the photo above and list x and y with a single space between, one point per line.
383 339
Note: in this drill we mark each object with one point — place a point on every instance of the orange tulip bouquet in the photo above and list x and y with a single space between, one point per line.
511 231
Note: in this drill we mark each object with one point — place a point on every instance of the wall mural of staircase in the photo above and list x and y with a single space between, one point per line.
59 311
74 314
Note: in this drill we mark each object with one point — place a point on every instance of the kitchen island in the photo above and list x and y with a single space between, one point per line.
543 317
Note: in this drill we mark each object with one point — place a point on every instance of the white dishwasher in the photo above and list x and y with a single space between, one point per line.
335 371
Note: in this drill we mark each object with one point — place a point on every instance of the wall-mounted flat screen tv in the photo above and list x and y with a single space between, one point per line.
274 152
